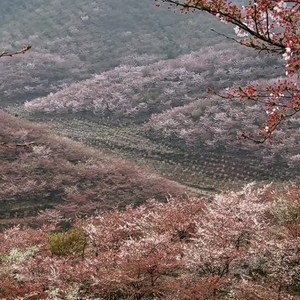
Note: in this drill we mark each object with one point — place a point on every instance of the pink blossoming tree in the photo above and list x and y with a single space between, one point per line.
267 26
238 246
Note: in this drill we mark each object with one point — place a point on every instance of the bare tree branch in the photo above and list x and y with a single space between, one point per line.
22 51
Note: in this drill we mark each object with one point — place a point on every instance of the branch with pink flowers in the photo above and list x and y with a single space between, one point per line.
269 26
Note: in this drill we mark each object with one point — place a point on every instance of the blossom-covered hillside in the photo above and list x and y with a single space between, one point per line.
238 246
40 170
132 93
86 37
170 99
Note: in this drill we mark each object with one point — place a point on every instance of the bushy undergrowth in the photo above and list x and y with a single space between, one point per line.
68 243
231 247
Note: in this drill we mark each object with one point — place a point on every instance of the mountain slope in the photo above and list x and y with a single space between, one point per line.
91 37
40 170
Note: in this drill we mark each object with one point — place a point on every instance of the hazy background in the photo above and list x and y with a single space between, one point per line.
129 64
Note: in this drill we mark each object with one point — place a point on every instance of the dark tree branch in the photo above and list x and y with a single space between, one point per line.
233 19
22 51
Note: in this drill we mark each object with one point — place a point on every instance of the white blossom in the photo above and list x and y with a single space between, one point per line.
239 32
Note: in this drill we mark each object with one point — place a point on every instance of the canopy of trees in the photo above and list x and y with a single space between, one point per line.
239 246
266 26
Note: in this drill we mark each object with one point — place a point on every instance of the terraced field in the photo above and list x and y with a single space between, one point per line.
204 172
127 165
40 170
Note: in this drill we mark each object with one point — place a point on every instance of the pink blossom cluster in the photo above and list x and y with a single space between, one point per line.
267 26
242 245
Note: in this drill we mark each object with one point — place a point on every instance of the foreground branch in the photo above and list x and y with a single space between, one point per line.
22 51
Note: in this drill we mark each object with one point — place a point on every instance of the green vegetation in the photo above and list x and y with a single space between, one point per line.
72 242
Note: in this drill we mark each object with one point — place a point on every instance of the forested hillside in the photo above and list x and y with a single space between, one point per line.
237 246
143 73
144 156
75 39
42 171
135 71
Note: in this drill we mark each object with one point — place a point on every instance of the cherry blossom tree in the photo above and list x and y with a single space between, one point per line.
266 26
214 122
242 245
137 92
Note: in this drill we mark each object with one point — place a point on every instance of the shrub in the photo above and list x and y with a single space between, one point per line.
72 242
